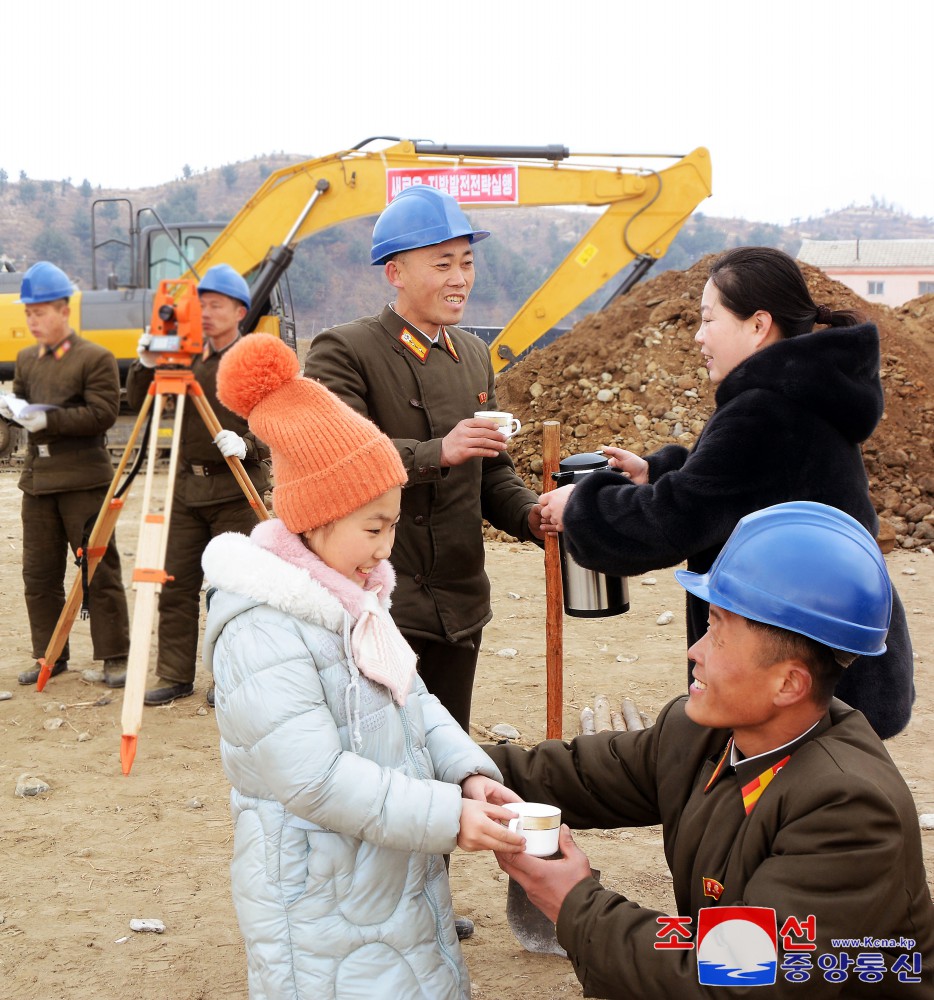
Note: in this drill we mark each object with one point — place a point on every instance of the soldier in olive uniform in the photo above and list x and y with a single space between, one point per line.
421 380
771 793
208 499
67 472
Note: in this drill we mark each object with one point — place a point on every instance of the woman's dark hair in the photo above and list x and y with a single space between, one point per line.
750 279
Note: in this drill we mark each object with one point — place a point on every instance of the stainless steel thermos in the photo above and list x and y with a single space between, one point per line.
587 593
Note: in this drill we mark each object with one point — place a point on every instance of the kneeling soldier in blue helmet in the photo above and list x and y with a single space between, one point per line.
67 471
208 499
771 794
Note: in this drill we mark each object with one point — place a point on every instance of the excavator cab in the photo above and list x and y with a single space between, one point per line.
167 252
137 258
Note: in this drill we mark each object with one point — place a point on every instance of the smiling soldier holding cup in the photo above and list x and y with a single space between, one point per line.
429 387
422 381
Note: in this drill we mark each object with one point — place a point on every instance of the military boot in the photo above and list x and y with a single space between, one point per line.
115 671
31 676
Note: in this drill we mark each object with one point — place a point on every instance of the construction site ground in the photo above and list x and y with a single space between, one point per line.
100 849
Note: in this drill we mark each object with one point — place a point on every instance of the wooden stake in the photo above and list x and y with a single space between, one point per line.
631 715
601 713
587 726
554 602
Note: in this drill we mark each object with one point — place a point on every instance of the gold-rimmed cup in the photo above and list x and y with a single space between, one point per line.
539 823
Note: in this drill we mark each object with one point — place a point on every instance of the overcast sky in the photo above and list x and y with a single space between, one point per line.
805 105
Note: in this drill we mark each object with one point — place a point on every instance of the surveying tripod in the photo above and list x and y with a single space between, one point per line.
149 574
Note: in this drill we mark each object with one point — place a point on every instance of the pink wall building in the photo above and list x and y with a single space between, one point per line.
886 271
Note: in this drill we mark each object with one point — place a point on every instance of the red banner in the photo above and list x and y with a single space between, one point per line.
493 185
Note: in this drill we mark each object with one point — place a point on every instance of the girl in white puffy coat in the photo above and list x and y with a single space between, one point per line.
346 773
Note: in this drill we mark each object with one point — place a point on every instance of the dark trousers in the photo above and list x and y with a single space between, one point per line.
448 670
190 530
52 524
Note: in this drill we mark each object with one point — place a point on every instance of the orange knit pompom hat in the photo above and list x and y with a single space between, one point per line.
327 459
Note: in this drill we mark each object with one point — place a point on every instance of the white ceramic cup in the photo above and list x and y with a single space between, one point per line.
539 824
505 422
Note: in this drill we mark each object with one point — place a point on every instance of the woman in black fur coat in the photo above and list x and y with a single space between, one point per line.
793 406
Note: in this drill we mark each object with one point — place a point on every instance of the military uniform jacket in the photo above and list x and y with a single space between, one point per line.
81 379
197 446
416 394
834 833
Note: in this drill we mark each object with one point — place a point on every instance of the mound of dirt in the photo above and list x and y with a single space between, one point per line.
631 376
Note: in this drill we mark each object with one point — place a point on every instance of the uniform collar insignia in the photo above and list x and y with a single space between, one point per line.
752 782
59 351
445 338
758 785
415 342
754 774
420 344
721 765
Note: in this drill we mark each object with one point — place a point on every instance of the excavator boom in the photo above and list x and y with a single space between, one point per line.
643 211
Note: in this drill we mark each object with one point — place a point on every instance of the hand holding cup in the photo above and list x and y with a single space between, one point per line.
484 435
505 422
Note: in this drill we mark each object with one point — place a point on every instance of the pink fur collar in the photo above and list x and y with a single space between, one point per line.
273 536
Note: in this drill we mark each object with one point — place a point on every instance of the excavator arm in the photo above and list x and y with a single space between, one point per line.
643 211
641 224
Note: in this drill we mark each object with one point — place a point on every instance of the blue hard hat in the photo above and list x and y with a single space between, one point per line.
805 567
419 216
44 282
222 278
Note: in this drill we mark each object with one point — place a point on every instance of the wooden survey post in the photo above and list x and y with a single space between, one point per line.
554 602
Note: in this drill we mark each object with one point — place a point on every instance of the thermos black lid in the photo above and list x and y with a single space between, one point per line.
589 461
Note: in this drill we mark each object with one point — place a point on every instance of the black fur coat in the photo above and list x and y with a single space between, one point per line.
788 426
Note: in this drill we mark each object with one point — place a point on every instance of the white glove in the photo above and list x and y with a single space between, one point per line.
34 422
146 359
5 411
231 445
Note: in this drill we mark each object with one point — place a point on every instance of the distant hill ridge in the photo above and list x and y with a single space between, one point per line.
331 278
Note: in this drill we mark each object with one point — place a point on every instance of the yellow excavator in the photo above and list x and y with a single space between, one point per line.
644 208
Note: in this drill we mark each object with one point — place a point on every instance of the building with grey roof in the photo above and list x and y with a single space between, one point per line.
889 272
